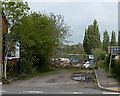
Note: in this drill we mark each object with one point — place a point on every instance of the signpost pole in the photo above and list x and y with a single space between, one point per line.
110 61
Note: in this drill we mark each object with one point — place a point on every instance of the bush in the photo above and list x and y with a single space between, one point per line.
117 66
103 64
5 81
11 69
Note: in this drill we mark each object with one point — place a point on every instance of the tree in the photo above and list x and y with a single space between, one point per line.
113 39
119 38
39 35
13 11
86 44
99 54
91 38
106 41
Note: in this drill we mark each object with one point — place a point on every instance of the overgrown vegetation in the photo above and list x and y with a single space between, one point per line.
114 72
38 34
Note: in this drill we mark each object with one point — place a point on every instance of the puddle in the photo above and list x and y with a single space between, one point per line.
83 77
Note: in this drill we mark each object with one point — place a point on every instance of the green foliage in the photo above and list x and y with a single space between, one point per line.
11 69
113 39
39 35
119 38
70 49
99 54
91 38
117 66
106 41
5 81
14 10
103 64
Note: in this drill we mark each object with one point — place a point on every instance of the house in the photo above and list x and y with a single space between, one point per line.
114 50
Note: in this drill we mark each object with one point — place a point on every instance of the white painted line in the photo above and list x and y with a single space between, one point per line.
38 92
111 93
77 92
2 91
71 92
67 92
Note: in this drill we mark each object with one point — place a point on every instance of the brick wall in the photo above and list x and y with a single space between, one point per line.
3 29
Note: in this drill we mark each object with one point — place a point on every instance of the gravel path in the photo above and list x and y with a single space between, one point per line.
60 79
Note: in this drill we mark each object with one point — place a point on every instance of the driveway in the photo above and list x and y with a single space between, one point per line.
58 83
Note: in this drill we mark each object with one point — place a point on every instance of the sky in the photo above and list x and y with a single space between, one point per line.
78 15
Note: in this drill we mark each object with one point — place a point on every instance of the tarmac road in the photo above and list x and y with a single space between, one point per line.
58 83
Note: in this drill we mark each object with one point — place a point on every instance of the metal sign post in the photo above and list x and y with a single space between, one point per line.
110 61
17 53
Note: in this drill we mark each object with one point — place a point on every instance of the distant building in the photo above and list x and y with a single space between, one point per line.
114 50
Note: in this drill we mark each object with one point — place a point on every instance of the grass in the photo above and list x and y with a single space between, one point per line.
102 64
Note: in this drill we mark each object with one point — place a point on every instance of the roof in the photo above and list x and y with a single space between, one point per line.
114 49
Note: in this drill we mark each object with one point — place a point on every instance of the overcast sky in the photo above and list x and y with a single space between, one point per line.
78 15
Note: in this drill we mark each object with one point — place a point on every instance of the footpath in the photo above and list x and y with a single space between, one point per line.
107 83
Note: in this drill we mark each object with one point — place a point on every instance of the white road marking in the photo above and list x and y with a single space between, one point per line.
38 92
111 93
71 92
2 91
77 92
67 92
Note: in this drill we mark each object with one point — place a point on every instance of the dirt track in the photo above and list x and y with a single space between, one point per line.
60 79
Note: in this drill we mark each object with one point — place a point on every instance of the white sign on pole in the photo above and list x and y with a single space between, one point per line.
91 56
17 50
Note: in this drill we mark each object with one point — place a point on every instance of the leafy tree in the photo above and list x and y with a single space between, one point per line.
91 38
113 39
119 38
99 54
39 36
14 10
71 49
106 41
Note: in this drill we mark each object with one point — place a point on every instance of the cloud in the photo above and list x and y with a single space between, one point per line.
78 15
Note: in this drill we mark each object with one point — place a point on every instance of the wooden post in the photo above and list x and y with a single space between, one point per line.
110 62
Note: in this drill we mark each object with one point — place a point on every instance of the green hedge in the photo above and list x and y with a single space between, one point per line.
117 66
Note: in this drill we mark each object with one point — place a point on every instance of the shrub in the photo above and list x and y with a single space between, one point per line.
5 81
117 66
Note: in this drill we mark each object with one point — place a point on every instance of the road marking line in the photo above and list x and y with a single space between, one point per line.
111 93
67 92
2 91
33 92
71 92
77 92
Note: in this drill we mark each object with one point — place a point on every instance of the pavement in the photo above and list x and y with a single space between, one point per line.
107 83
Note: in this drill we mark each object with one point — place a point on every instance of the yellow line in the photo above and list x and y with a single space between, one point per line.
114 88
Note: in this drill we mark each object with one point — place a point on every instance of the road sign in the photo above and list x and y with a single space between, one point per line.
91 56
